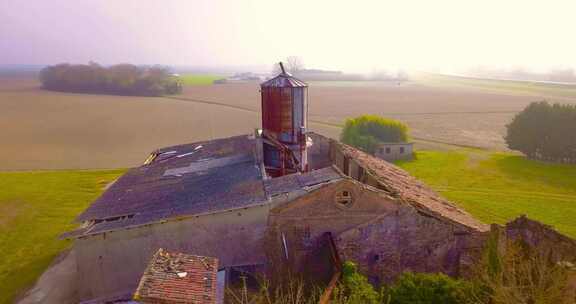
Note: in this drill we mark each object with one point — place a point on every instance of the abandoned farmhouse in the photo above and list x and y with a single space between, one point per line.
279 195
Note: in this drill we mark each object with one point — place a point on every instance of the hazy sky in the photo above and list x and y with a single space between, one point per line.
353 35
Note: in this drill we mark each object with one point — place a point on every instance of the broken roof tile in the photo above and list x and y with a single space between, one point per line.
178 278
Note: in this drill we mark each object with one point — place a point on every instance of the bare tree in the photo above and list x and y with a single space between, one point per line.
294 64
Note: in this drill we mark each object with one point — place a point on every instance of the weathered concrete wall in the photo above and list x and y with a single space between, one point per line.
113 262
395 151
349 166
57 285
304 220
544 237
318 152
409 241
382 235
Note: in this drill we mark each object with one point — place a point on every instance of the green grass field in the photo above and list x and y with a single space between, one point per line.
36 207
497 187
503 86
196 79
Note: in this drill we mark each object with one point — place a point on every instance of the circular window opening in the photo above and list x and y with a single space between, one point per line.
344 198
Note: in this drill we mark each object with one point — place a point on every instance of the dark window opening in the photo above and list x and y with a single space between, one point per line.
401 150
387 150
376 257
344 198
302 236
360 173
271 156
302 233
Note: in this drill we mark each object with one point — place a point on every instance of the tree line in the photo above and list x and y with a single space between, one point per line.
545 131
120 79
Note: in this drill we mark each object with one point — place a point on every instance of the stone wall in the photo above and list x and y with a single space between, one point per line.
538 235
408 240
383 235
113 262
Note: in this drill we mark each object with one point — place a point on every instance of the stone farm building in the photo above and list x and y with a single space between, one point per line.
272 197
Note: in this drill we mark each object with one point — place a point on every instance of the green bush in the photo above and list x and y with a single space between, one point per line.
544 131
427 288
355 288
366 131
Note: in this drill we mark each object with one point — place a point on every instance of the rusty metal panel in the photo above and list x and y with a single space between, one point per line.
271 109
286 111
284 116
299 115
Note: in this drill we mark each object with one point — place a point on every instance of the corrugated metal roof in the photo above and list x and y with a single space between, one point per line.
283 81
178 278
182 185
294 182
220 175
225 188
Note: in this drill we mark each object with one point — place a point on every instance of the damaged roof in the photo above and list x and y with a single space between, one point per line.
182 180
399 184
178 278
188 180
223 174
295 182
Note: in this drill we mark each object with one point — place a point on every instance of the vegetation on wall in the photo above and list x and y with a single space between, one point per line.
366 131
514 275
513 272
121 79
545 131
355 288
430 288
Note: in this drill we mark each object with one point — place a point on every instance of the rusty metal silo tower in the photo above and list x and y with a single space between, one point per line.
284 122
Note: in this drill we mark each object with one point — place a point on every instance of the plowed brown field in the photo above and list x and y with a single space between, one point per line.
52 130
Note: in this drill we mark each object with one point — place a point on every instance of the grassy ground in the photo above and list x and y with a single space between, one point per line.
35 207
504 86
195 79
496 187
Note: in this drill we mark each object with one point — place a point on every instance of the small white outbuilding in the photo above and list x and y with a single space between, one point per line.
395 151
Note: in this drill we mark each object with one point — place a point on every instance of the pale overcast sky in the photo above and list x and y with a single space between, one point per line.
357 35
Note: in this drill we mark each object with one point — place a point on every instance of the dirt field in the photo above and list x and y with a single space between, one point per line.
50 130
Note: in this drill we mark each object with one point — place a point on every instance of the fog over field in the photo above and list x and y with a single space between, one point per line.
363 35
54 130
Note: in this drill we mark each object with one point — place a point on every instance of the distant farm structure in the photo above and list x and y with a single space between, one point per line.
395 151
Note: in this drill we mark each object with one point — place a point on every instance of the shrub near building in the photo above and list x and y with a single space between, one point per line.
366 131
545 131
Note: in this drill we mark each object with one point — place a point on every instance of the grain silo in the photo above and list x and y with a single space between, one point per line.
284 123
